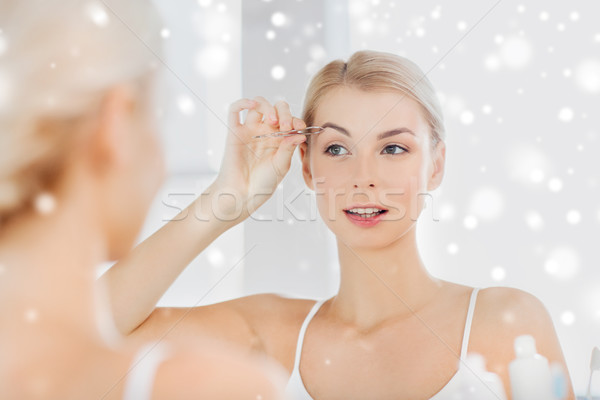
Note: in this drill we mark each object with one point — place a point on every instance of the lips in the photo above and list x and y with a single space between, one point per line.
368 212
365 215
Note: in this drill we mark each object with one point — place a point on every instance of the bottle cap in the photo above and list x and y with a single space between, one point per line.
525 346
595 361
476 363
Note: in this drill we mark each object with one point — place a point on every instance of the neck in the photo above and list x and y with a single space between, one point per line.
379 284
46 273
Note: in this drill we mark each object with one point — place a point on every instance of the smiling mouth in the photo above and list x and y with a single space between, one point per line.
365 212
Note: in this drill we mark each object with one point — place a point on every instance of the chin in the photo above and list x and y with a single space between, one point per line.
376 238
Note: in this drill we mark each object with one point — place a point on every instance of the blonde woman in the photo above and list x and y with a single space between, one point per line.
79 165
392 331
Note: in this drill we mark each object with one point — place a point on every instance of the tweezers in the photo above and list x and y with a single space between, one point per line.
311 130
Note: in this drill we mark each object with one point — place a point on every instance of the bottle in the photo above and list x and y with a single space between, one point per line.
530 377
559 381
594 366
479 384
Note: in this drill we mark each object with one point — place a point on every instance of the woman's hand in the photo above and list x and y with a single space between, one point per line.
252 168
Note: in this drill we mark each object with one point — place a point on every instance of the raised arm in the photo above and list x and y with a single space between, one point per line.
250 172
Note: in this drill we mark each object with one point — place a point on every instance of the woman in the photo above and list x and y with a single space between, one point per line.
392 330
79 165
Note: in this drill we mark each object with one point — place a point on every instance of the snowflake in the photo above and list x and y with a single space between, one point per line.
516 52
565 114
186 105
279 19
573 217
212 61
567 318
97 13
555 185
534 220
498 273
587 75
215 257
562 263
278 72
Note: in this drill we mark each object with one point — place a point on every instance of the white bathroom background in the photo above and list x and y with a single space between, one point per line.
520 86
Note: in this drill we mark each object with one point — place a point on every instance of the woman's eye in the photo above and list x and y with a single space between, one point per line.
336 150
393 149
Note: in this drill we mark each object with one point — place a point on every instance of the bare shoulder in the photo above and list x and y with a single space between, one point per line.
512 309
501 315
260 323
276 320
207 372
192 370
272 308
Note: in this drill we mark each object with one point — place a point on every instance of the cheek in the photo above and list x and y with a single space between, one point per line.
329 174
330 180
399 184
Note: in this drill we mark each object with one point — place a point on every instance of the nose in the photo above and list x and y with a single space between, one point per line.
364 174
359 185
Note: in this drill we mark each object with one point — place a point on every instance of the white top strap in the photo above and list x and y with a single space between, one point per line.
142 372
467 331
309 316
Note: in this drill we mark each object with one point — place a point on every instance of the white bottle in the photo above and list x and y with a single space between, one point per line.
479 384
530 377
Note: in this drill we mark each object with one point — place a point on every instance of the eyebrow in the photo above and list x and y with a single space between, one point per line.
381 136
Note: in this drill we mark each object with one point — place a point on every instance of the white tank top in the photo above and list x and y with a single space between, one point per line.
296 390
141 374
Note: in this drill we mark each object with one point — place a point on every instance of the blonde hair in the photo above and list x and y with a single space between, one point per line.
377 71
58 59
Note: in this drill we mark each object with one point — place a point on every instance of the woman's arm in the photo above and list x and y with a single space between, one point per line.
250 173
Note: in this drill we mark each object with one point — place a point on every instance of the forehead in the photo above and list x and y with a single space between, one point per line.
361 111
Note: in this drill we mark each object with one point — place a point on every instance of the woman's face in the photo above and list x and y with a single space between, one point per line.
372 166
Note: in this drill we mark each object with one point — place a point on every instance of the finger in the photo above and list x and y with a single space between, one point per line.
284 114
283 157
263 109
237 107
297 123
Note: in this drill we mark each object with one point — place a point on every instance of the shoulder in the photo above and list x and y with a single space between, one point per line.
272 307
264 323
276 320
511 309
501 315
247 321
273 317
206 371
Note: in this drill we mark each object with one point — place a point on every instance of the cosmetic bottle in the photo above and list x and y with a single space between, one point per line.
479 384
594 366
530 376
559 381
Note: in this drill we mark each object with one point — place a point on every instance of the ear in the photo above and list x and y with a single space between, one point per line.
305 159
110 142
438 166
